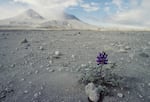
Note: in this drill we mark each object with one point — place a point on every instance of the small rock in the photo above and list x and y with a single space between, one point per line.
25 92
92 92
57 53
12 66
140 96
149 84
29 73
41 87
50 62
41 48
39 93
48 65
120 95
24 41
22 79
51 70
73 56
36 71
48 68
145 55
30 82
36 95
122 51
41 66
127 48
112 44
83 65
90 62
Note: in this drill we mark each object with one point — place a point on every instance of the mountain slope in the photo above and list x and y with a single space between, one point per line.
28 17
31 18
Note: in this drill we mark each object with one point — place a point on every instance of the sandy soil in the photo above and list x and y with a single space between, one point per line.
30 73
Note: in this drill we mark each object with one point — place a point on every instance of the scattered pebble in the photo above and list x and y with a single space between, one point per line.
36 95
140 96
25 92
57 53
122 51
41 66
36 71
83 65
30 82
50 62
22 79
48 65
149 84
24 41
41 87
90 62
41 48
127 48
29 73
48 68
51 70
73 56
92 92
143 54
120 95
12 66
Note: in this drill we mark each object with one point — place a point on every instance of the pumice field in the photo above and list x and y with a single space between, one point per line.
46 66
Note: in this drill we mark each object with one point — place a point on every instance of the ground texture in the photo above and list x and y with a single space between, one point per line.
44 66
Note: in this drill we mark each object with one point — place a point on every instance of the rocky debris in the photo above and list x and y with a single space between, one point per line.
12 66
121 50
83 65
30 82
149 84
5 92
24 41
41 48
57 54
127 48
51 70
92 92
36 72
73 56
143 54
22 79
120 95
50 62
25 92
36 95
42 87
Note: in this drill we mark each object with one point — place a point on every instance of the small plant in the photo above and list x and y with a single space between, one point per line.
101 74
101 61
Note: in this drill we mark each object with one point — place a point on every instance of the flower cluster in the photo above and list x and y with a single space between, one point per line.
102 58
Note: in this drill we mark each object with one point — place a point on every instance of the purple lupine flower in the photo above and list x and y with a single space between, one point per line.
102 58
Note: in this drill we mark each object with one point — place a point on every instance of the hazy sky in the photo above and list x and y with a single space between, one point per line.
100 12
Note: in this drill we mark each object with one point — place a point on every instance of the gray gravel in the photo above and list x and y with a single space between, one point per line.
47 66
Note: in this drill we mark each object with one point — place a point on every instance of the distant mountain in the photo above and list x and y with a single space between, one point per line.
27 18
31 18
70 17
29 15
